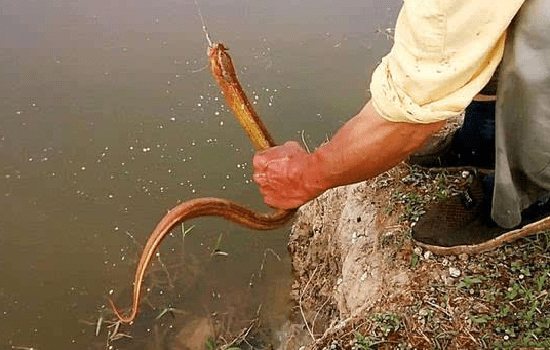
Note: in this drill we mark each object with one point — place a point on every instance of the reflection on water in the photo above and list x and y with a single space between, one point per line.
108 118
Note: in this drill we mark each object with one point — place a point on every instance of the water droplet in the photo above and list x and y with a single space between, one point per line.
221 123
216 113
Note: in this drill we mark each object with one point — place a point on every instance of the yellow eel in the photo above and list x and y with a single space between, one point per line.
223 71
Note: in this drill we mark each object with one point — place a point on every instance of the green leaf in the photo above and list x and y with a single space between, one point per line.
414 260
469 281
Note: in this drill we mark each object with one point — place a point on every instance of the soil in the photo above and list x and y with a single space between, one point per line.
360 283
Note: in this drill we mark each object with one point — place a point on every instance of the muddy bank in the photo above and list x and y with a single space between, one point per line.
341 256
361 284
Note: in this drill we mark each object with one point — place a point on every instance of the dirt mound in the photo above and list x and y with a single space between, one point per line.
341 256
361 284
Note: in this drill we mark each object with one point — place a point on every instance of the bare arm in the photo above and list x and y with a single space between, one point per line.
364 147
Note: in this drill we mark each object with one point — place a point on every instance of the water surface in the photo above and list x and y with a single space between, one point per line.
108 117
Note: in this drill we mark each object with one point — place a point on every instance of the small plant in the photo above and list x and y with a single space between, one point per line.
362 342
414 260
414 203
442 192
468 282
540 280
481 319
386 322
210 344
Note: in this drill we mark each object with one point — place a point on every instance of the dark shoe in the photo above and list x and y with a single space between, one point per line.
473 144
459 220
466 219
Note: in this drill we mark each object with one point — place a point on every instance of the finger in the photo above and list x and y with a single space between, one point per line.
265 192
270 202
293 145
259 161
259 178
275 166
277 204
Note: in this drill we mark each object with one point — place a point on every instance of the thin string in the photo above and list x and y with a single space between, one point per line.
204 29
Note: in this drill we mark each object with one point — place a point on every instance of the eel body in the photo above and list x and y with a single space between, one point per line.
224 72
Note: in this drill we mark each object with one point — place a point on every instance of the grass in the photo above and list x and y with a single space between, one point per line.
501 303
500 300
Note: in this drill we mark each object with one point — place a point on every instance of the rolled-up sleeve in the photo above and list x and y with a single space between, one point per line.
444 53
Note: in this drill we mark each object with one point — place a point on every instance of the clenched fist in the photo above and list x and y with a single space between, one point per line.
282 173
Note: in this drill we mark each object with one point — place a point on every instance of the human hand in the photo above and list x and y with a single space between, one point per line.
280 173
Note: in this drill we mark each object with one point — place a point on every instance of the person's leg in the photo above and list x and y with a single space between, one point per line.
475 140
473 144
523 116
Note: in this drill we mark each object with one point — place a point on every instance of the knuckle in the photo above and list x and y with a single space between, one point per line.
259 161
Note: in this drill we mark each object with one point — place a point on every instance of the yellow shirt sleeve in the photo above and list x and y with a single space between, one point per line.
444 53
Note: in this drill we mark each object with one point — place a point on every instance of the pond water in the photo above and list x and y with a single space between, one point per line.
108 117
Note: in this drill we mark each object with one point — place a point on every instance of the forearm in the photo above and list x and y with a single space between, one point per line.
364 147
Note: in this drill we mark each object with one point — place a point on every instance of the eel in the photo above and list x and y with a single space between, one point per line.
224 72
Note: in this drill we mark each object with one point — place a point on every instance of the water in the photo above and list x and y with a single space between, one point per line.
108 117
